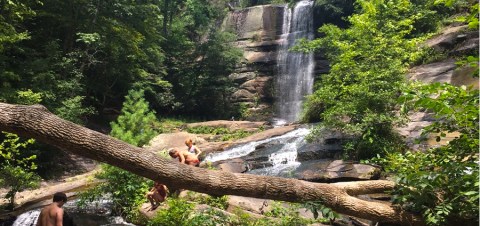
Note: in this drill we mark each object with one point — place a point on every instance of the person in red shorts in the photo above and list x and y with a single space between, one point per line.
157 194
184 157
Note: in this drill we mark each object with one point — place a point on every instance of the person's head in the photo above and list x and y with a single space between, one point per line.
172 152
60 197
189 142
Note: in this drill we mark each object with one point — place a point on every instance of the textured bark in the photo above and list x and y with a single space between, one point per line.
37 122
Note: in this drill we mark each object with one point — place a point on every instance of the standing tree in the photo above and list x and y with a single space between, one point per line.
135 125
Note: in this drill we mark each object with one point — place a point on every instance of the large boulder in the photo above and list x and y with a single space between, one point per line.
259 23
236 165
457 40
326 146
172 140
445 71
254 205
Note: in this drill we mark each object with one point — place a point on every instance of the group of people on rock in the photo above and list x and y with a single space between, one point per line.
53 214
158 193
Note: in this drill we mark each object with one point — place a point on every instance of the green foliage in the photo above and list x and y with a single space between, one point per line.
333 11
17 168
14 12
125 189
226 134
213 201
181 213
315 207
177 214
249 3
286 214
441 183
204 80
136 124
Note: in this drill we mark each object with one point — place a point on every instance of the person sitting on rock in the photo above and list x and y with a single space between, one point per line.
157 194
184 157
192 148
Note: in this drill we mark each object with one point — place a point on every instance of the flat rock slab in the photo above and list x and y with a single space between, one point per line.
173 140
334 171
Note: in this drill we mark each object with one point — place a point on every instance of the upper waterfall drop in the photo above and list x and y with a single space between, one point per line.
294 79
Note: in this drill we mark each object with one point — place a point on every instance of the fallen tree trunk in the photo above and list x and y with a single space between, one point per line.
37 122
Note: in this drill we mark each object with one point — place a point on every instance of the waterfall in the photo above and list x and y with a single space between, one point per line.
295 70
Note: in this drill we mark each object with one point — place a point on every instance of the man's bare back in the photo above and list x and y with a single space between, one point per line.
52 215
184 157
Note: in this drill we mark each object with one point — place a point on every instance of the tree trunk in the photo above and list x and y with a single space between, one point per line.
37 122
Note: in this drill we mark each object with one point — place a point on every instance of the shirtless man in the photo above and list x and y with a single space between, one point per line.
52 215
184 157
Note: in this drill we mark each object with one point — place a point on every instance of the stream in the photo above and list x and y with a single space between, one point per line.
93 214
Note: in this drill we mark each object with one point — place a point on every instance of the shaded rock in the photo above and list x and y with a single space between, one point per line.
254 205
317 150
469 46
256 85
333 171
243 95
329 145
242 76
260 57
434 72
259 23
447 38
413 130
463 76
236 165
146 210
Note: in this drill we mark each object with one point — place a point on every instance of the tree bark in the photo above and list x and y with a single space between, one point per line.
37 122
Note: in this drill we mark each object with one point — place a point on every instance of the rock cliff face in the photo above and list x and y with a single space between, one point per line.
455 42
258 30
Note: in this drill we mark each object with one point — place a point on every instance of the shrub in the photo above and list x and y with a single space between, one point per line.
441 183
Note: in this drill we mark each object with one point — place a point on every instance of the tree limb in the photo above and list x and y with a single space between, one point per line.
37 122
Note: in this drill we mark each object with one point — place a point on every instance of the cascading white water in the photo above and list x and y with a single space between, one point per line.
27 219
295 70
247 148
